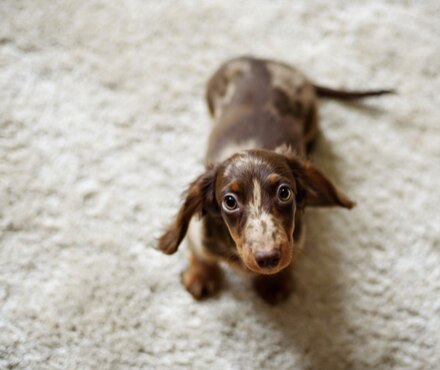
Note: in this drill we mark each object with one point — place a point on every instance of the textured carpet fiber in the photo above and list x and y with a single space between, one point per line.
102 125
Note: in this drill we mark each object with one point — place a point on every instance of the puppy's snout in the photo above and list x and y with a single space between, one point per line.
268 259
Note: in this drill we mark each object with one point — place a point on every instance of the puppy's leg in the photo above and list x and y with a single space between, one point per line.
202 277
274 288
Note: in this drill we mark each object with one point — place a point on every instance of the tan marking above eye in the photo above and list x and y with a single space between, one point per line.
235 186
273 178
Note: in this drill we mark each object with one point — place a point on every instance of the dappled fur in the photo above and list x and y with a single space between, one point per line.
271 110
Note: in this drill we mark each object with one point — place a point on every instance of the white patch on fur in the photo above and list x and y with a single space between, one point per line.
234 148
221 102
285 150
235 67
255 204
194 236
285 78
231 70
259 237
244 159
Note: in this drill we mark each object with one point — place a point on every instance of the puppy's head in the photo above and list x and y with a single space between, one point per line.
257 194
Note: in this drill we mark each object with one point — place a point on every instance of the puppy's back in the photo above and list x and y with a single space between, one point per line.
258 103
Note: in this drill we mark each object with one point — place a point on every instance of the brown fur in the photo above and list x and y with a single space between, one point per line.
250 203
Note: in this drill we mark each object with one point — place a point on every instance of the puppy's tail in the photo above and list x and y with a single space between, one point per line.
327 92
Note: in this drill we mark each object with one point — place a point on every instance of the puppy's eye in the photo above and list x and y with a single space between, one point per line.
230 203
284 193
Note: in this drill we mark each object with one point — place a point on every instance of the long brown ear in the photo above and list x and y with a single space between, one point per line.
315 189
199 197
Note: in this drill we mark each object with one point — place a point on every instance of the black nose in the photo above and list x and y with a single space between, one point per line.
268 259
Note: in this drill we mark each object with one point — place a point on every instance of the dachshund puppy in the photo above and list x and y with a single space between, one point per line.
247 208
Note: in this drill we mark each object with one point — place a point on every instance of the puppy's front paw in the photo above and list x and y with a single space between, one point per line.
273 289
202 280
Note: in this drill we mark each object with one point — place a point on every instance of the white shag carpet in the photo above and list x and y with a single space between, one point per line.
102 125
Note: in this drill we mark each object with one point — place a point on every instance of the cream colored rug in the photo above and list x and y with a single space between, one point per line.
103 124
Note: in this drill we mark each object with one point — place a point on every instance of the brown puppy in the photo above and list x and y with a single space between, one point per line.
250 201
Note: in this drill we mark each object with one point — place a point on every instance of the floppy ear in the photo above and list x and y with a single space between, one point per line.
321 192
315 189
198 199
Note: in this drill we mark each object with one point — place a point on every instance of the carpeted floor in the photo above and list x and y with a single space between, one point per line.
102 125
